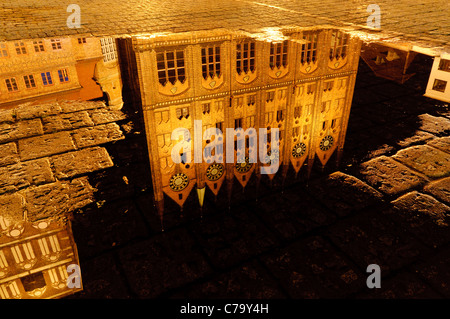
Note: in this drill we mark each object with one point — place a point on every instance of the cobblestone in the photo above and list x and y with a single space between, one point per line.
427 160
66 121
435 272
102 116
30 110
440 189
100 134
423 215
389 176
45 145
108 17
434 124
342 193
228 240
157 260
12 207
249 281
442 143
298 241
57 199
313 269
102 279
24 174
17 130
371 238
84 161
404 286
8 154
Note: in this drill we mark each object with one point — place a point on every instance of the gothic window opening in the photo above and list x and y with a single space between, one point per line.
278 54
182 112
340 104
211 62
206 108
238 123
245 57
171 66
333 123
280 115
251 99
325 106
297 112
269 117
81 40
219 105
251 121
239 101
328 86
338 45
11 85
219 125
309 49
305 129
270 96
311 88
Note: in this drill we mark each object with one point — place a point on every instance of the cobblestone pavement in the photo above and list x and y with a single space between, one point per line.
414 20
386 204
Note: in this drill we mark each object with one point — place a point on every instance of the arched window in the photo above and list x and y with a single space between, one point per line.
278 54
309 48
245 57
338 45
171 66
211 61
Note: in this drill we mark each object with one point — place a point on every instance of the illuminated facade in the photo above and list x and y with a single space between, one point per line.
34 257
68 68
300 81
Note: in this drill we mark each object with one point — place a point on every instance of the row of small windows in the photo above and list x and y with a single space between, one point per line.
30 82
109 49
21 48
171 64
183 112
107 44
24 253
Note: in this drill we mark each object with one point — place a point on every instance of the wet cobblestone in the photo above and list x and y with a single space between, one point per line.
310 239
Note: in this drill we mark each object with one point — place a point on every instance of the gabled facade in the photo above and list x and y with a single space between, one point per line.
83 68
300 81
